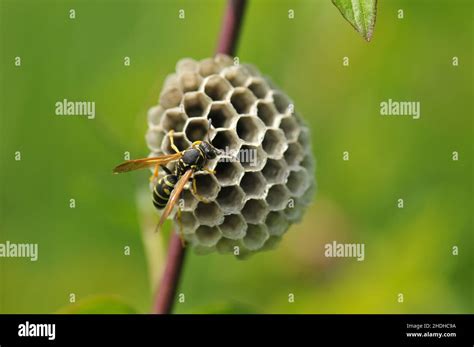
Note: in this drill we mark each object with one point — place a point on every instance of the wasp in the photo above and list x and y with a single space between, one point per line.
168 188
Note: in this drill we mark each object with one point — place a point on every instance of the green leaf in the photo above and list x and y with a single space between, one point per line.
97 305
360 13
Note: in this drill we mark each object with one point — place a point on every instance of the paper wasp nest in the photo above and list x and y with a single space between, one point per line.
251 202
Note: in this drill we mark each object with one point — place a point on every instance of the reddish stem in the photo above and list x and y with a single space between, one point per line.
230 26
169 282
166 292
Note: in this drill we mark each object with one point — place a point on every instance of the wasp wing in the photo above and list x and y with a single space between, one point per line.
178 188
147 162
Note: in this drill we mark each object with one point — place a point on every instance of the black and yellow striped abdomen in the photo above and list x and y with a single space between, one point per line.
163 189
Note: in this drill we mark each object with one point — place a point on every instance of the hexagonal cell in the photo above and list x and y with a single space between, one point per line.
290 127
250 129
196 104
252 70
274 143
275 171
308 162
236 75
208 67
258 86
206 186
187 64
171 81
294 154
154 115
170 97
254 185
226 245
276 223
228 172
189 81
266 112
277 197
255 211
179 140
216 87
294 214
223 60
226 140
298 182
271 243
208 214
230 199
196 129
208 236
256 236
242 100
173 118
187 202
222 115
281 101
233 227
187 221
252 158
154 137
307 197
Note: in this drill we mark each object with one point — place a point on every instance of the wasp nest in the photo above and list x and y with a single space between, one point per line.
248 204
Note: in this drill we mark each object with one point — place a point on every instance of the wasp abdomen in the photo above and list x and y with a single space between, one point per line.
163 189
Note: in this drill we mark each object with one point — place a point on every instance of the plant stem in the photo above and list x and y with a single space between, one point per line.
169 282
230 26
166 291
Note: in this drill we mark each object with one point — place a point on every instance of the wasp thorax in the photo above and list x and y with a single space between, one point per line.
258 175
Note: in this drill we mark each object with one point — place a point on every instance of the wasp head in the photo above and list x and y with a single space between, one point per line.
209 150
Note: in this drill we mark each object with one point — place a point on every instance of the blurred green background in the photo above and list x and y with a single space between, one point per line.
81 250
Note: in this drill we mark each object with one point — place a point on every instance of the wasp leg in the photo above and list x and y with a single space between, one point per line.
171 136
181 233
196 194
209 171
155 173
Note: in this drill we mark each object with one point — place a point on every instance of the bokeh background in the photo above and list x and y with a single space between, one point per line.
81 250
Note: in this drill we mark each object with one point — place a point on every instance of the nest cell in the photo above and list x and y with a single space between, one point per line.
274 143
216 87
255 237
230 199
275 171
234 227
254 185
255 211
242 99
196 104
